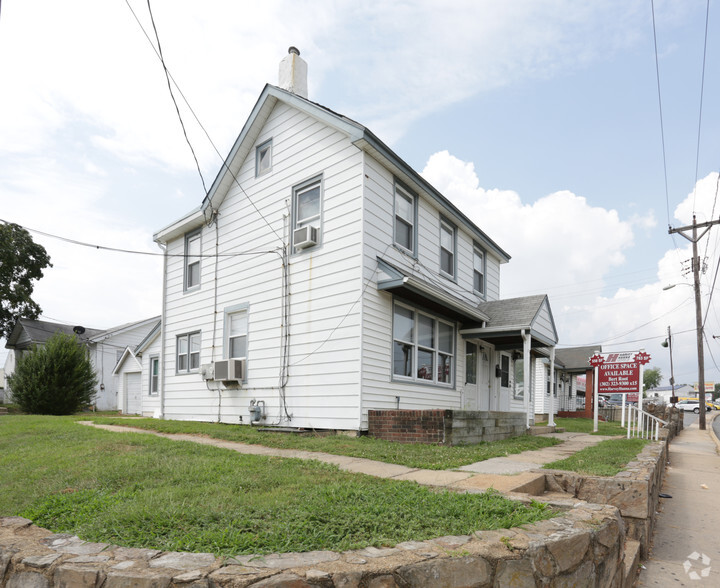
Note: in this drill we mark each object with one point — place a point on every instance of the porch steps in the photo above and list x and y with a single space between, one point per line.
544 429
3 410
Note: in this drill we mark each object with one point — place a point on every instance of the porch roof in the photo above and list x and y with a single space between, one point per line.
507 319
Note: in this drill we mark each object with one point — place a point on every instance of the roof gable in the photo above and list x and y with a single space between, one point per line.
29 332
359 135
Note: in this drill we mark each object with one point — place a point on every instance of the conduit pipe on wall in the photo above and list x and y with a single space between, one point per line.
527 380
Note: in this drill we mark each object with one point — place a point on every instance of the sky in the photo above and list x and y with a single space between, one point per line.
540 119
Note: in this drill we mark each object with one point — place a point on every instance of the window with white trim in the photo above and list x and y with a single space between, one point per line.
447 248
423 346
504 371
188 353
263 158
307 211
519 387
405 215
192 260
154 384
478 270
236 330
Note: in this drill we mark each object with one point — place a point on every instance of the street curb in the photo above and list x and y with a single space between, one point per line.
713 436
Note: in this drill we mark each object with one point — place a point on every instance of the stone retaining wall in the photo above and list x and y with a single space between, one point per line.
583 546
633 491
450 427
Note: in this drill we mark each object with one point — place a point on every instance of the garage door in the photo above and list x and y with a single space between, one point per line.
133 394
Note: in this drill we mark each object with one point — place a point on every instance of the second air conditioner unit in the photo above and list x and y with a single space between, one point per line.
306 236
230 370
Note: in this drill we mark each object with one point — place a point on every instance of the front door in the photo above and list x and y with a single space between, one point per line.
470 396
479 394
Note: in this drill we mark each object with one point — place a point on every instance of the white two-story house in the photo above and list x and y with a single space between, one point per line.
339 280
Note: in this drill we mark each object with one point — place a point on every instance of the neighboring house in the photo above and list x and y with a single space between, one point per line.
575 367
681 390
138 372
105 347
338 280
3 386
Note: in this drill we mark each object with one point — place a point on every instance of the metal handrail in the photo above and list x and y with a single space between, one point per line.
643 424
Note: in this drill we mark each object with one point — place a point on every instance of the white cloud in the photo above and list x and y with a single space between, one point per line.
557 239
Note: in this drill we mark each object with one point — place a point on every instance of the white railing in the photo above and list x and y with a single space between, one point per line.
642 424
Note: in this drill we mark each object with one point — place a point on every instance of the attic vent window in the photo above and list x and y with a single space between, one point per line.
263 158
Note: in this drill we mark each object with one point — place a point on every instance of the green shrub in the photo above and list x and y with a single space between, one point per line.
56 378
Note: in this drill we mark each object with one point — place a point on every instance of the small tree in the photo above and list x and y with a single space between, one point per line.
56 378
651 378
22 262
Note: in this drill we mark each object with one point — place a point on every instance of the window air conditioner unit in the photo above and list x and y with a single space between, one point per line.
306 236
229 370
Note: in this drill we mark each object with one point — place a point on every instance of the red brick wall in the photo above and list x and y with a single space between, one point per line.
408 426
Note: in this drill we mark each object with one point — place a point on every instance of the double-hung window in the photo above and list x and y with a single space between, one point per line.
405 217
236 330
447 248
478 270
153 386
423 346
263 158
192 260
307 213
188 353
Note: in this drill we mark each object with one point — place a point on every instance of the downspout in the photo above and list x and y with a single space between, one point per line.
163 318
551 416
527 384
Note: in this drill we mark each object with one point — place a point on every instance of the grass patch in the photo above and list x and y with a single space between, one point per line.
607 458
586 426
143 491
432 457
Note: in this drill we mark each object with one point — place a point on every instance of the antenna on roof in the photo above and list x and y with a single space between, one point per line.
78 330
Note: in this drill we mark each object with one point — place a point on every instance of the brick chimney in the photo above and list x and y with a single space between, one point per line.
293 73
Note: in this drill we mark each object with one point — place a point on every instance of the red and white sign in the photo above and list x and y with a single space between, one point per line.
619 373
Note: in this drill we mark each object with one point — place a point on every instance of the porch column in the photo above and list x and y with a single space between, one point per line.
527 383
551 416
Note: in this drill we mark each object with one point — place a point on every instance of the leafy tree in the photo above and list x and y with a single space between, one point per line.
651 378
55 378
21 262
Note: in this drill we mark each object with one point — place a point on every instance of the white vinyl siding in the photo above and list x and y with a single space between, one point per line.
324 314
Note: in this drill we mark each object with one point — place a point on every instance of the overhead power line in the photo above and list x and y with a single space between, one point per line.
136 252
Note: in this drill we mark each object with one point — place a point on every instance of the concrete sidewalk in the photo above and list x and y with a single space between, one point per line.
505 474
685 550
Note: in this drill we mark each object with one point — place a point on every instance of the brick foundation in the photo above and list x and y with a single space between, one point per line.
448 427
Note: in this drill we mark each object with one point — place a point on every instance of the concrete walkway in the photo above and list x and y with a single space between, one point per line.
686 542
502 473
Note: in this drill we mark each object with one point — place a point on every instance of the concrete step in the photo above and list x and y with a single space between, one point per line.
632 563
544 429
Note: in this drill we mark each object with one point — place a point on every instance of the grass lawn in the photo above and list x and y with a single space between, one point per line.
607 458
586 426
143 491
432 457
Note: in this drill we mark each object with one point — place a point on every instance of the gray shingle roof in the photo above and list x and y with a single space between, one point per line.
512 312
575 358
38 332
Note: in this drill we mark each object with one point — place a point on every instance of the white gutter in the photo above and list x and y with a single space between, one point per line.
163 318
551 416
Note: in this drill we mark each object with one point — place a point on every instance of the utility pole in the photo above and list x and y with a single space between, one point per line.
698 308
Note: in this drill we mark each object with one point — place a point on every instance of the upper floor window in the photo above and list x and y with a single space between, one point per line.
479 270
236 334
447 248
263 158
307 213
405 217
188 353
423 346
192 260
